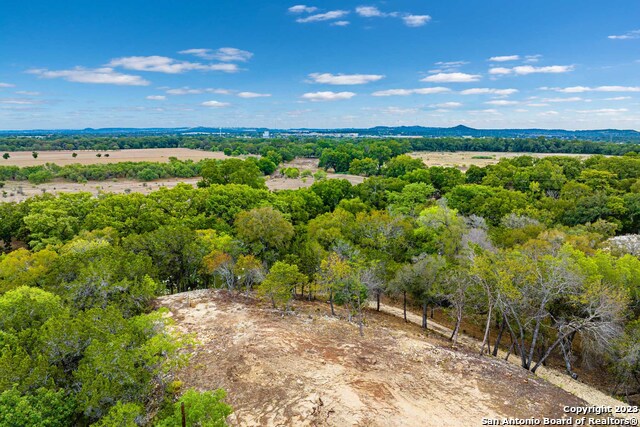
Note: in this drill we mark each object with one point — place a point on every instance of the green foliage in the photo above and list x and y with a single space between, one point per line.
278 286
46 408
202 409
264 232
231 171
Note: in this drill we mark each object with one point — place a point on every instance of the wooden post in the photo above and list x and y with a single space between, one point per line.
184 418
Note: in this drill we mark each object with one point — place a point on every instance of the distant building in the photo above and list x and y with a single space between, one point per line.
266 134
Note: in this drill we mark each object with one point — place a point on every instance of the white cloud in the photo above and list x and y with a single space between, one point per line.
570 99
532 58
19 101
104 75
489 91
301 8
617 98
452 78
253 95
215 104
224 54
328 96
530 69
499 71
163 64
399 110
603 111
501 102
189 91
327 16
635 34
416 20
369 11
582 89
448 105
6 85
344 79
504 58
27 93
405 92
156 97
340 23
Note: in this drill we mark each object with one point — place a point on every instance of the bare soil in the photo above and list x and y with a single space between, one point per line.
311 369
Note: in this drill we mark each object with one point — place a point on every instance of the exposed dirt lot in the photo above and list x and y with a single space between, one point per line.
310 369
88 157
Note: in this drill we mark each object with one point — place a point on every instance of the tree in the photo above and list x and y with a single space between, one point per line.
202 409
42 408
6 156
74 155
34 154
279 284
264 232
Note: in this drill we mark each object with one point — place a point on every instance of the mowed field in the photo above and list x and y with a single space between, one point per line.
88 157
464 159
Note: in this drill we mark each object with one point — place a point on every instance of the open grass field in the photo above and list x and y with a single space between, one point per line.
464 159
88 157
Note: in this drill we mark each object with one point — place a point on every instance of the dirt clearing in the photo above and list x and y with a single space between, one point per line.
310 369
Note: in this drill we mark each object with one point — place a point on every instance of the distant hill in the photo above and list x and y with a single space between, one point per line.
610 135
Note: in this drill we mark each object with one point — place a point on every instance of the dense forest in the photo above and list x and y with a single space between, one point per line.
543 252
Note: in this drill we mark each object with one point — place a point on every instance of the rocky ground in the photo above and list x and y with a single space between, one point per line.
311 369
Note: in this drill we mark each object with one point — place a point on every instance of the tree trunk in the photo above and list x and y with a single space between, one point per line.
485 340
456 329
424 315
534 340
404 297
432 310
497 344
333 313
378 301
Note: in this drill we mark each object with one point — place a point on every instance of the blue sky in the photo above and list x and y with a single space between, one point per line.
487 64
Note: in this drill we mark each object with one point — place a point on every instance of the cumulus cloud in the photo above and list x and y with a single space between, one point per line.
224 54
163 64
488 91
452 78
327 16
416 20
504 58
369 11
448 105
634 34
556 100
530 69
104 75
301 8
344 79
189 91
501 102
581 89
156 97
405 92
215 104
328 96
253 95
